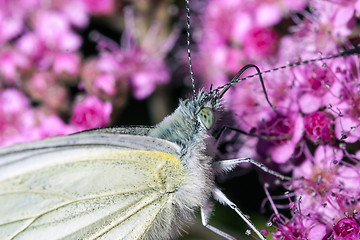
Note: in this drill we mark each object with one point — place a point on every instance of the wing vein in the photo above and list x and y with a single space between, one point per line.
66 204
141 204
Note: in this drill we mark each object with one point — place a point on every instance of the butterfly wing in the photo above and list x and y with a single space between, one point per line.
96 184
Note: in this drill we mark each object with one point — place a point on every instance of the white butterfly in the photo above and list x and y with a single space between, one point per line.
116 183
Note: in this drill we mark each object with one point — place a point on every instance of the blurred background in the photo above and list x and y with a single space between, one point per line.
71 65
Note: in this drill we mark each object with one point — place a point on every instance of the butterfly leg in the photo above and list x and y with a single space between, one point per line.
205 216
228 165
220 196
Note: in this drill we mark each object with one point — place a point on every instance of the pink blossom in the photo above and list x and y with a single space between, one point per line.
268 14
105 83
347 129
103 76
31 45
328 187
338 18
144 81
146 72
13 64
43 87
67 64
39 85
69 42
319 127
286 132
51 26
13 108
318 87
75 12
54 30
52 125
347 105
300 226
10 26
13 101
91 112
100 7
248 105
346 229
133 66
261 42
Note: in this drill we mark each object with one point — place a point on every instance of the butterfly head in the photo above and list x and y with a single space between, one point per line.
203 107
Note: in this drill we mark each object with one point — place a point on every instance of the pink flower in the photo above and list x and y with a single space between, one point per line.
76 12
318 87
54 30
328 187
13 116
300 226
248 105
132 66
105 83
260 42
347 129
10 26
144 81
31 45
51 26
12 65
13 102
336 19
104 77
346 229
91 112
51 125
100 7
67 64
284 133
39 84
319 127
269 13
348 101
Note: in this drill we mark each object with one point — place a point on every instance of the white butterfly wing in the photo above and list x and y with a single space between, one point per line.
96 184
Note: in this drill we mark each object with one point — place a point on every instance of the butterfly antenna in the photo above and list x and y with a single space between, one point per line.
187 6
235 79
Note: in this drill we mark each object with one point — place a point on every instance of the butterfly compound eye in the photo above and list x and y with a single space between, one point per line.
206 117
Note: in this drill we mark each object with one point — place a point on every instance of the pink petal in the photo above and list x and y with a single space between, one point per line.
282 153
309 103
317 232
325 155
106 83
243 25
298 129
142 86
343 16
69 42
347 126
297 5
268 15
304 170
68 63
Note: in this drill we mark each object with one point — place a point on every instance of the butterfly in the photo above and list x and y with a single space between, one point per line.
113 183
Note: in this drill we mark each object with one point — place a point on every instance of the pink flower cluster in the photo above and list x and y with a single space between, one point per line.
48 86
314 130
